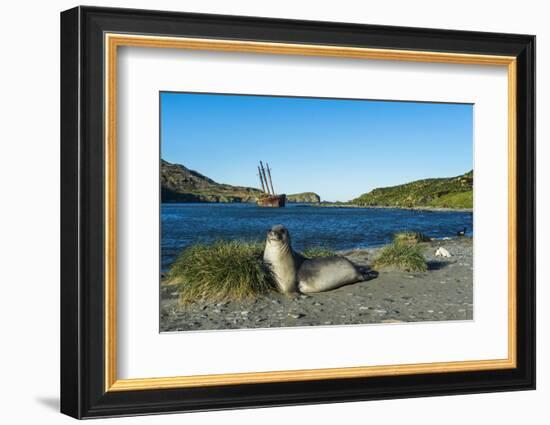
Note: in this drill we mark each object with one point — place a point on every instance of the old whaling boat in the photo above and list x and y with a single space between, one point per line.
268 198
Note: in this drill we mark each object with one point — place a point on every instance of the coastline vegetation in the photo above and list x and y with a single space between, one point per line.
454 192
180 184
410 238
455 200
403 254
221 271
225 271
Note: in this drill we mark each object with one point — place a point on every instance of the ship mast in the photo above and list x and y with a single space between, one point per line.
265 178
261 179
269 175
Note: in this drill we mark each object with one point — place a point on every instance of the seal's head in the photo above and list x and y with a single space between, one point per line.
278 235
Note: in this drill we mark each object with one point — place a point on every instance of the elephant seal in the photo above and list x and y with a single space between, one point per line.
282 260
294 272
326 273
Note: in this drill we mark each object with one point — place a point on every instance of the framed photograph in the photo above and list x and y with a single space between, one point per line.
261 212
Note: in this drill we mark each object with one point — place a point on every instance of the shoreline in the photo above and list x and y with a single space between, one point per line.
418 208
373 248
444 292
335 205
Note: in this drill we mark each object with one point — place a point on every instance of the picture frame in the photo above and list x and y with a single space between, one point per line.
90 40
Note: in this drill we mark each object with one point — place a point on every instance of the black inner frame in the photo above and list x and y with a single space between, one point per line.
82 212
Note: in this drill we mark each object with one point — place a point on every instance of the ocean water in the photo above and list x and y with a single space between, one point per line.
309 226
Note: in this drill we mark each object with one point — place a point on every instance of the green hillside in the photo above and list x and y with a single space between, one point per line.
305 197
180 184
452 192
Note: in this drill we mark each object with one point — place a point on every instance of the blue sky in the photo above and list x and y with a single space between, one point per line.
334 147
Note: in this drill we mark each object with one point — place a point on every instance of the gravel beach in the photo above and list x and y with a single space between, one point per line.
444 292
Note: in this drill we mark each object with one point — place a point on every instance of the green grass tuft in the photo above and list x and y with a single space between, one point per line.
401 256
318 251
410 238
221 271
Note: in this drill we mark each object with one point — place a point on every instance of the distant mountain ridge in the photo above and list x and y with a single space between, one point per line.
180 184
451 192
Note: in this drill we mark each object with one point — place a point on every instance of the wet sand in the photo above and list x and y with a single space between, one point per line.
444 292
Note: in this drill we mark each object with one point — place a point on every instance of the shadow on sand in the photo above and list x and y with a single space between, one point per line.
437 265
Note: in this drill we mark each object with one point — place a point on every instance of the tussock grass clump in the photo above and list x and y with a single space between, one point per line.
410 238
401 256
221 271
318 251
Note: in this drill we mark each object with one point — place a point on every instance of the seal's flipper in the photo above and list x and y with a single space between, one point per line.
367 273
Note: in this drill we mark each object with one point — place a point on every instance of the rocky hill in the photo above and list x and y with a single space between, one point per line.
180 184
305 197
452 192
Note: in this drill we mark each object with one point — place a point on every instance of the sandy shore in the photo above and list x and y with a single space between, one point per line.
444 292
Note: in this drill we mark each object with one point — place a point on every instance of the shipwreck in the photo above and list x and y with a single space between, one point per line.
268 198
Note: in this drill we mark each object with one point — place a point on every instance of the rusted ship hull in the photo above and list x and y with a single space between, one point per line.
272 201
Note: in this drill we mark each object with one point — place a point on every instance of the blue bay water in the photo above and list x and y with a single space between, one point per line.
338 228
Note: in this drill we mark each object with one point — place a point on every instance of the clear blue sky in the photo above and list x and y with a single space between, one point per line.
336 148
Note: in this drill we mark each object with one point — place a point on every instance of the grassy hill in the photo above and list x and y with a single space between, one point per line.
305 197
180 184
452 192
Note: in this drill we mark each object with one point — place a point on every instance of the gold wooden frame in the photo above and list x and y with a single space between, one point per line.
113 41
